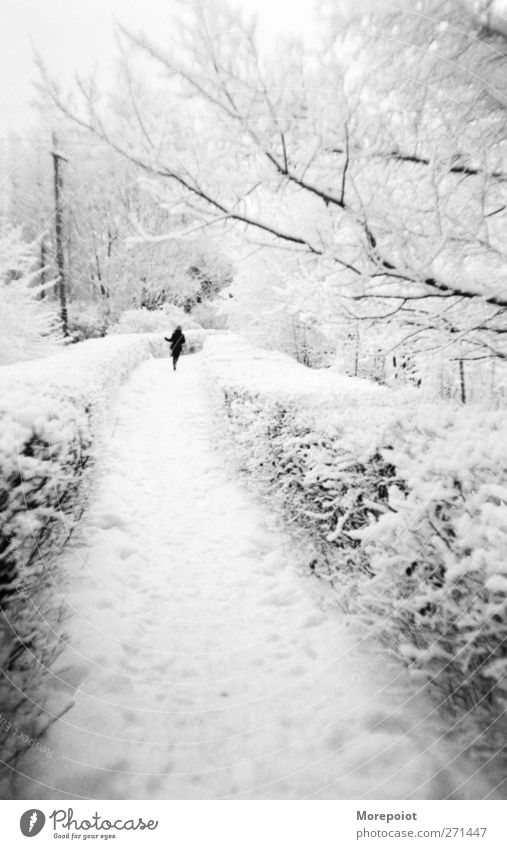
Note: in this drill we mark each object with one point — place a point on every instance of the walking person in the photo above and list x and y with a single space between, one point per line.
176 342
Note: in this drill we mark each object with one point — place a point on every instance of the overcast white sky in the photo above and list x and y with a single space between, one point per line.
78 34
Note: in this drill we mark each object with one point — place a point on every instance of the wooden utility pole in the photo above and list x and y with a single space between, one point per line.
60 259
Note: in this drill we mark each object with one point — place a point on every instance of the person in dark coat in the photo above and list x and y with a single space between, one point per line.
176 342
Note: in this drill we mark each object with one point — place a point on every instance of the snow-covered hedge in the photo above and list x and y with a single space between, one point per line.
195 338
302 435
406 503
50 410
53 413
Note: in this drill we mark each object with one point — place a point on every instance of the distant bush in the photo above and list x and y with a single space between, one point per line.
143 320
209 315
86 321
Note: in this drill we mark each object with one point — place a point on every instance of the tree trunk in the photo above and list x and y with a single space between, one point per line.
356 356
43 266
462 382
60 259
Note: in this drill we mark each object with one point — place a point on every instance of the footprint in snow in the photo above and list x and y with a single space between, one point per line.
110 519
280 598
127 552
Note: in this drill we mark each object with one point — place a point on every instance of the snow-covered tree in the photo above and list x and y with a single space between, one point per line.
113 219
387 130
30 325
277 302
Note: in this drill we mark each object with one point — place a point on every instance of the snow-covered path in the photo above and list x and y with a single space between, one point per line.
201 656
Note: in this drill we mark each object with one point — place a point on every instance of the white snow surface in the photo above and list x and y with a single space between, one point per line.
202 659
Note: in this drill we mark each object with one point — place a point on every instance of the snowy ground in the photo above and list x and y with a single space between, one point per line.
203 659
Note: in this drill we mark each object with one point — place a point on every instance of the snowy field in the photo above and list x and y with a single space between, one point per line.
202 659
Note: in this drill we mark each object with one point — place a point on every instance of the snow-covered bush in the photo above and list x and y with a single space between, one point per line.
406 503
209 314
195 339
52 417
162 320
439 554
29 324
87 320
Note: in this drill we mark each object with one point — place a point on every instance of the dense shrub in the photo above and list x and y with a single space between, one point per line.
317 481
439 554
